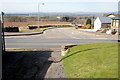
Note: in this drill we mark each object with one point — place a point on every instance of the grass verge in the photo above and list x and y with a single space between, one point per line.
97 60
38 29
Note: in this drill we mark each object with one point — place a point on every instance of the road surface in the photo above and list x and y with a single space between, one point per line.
55 38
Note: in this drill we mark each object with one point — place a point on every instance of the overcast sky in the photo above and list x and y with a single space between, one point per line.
28 6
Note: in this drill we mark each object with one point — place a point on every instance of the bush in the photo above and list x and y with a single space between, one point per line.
87 26
104 31
68 19
33 27
114 31
11 29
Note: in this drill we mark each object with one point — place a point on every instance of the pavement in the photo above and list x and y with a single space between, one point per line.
23 33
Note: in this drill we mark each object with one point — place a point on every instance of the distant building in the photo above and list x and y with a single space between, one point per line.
102 22
115 24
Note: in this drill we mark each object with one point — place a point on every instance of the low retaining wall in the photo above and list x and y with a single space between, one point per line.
23 34
65 49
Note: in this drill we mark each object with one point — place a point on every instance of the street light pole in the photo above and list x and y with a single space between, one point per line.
38 13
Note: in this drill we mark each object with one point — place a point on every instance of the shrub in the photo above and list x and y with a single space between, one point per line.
114 31
11 29
68 19
33 27
87 26
104 31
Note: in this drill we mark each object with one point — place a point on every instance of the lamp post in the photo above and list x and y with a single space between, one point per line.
39 12
92 26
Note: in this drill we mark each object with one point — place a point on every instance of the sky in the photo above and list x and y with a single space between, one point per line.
29 6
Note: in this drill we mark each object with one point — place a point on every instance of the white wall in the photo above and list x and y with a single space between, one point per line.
0 52
97 24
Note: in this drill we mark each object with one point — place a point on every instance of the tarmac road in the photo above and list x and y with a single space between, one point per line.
55 38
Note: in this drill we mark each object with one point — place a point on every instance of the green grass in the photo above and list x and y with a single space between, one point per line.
97 60
104 31
38 29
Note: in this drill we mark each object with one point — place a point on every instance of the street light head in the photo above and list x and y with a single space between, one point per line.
2 13
43 3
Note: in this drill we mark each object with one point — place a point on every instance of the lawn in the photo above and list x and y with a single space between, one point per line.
96 60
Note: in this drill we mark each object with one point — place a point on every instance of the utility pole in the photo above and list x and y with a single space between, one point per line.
38 15
3 36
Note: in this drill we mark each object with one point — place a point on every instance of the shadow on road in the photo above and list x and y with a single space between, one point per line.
25 65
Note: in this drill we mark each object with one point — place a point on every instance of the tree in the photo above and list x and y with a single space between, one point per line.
68 19
88 21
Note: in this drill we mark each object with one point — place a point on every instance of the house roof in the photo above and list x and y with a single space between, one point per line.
111 16
116 18
105 19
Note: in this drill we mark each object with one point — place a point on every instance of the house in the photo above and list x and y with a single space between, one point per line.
101 23
111 16
115 24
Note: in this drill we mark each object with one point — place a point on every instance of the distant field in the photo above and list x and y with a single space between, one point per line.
21 24
98 60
